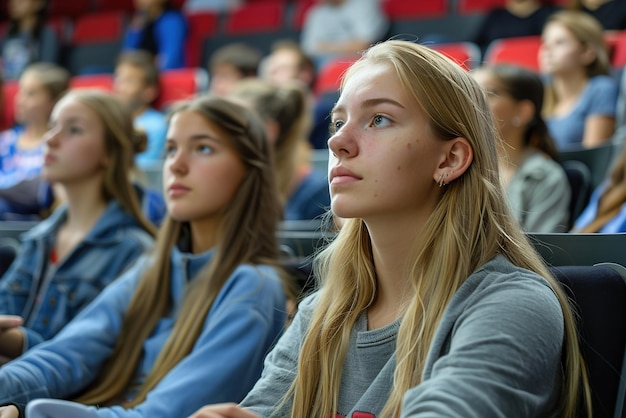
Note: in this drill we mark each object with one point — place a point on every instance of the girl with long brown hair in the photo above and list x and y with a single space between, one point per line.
432 301
191 323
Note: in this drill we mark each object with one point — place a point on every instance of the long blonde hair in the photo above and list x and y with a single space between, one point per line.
245 235
469 226
589 32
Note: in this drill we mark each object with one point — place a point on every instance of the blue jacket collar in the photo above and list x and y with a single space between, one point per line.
106 228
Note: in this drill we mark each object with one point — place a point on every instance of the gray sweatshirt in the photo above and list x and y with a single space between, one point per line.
496 353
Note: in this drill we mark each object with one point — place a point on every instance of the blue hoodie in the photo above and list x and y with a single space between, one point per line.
225 362
48 296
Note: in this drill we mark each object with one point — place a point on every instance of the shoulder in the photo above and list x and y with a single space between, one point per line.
501 286
540 167
250 279
602 82
47 226
8 136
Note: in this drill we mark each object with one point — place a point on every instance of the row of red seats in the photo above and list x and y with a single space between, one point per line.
522 51
75 8
272 19
175 85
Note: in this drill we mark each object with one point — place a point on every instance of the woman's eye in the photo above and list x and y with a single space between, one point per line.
380 120
335 126
74 130
205 149
170 150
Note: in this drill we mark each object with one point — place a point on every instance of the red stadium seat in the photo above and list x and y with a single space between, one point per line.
201 25
411 10
68 8
99 27
478 6
181 84
300 11
466 54
9 90
616 42
329 77
92 81
261 17
96 42
125 6
522 51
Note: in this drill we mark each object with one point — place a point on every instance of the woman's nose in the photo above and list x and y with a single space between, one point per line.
51 137
343 142
177 163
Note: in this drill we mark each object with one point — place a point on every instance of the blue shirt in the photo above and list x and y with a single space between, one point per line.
225 362
310 199
170 32
47 294
615 225
17 164
155 125
598 98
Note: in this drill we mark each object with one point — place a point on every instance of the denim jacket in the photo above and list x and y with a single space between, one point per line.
48 296
246 317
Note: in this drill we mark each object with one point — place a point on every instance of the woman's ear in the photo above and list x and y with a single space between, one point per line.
458 155
589 55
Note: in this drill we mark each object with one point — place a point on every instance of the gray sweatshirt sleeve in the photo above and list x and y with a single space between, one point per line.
500 359
280 368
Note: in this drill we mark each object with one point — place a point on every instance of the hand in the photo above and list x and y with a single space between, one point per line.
11 338
224 410
9 412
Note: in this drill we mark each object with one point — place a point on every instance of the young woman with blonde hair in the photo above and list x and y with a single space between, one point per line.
432 302
191 323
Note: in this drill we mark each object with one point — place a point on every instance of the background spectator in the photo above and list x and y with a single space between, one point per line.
287 63
160 30
65 261
610 13
334 28
285 111
21 147
136 84
536 185
230 64
606 210
516 18
27 38
581 97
